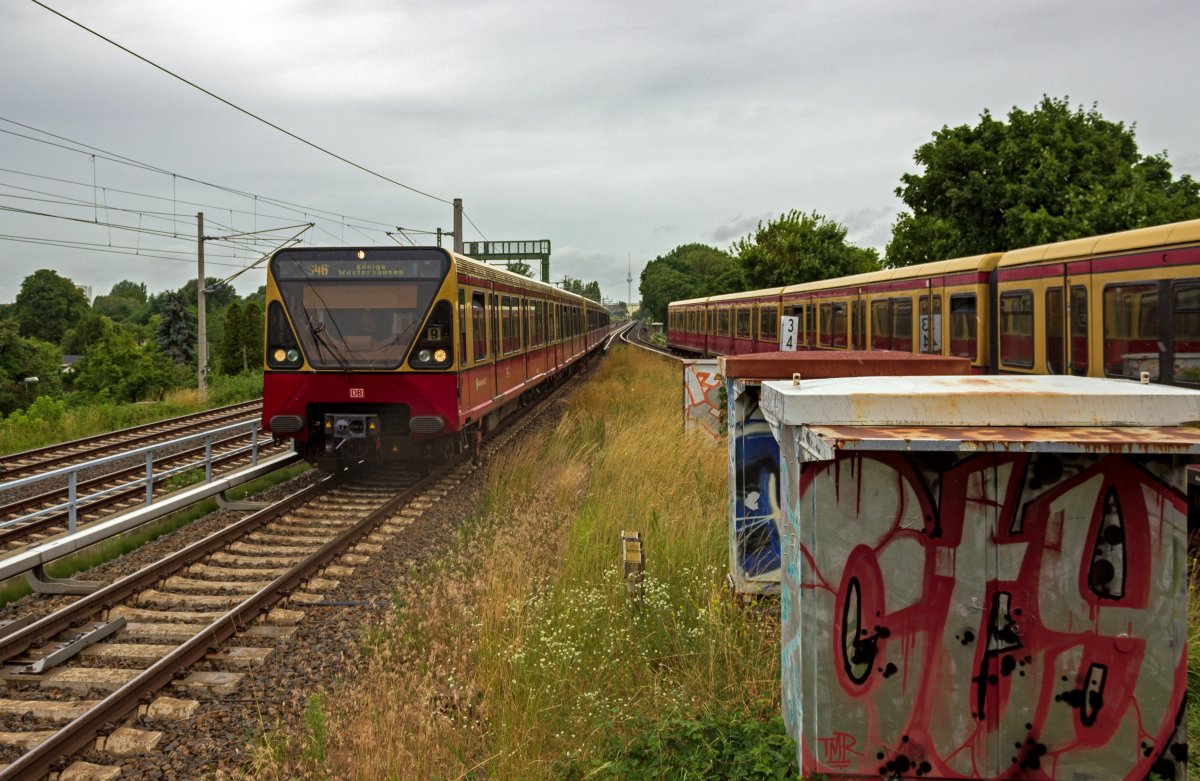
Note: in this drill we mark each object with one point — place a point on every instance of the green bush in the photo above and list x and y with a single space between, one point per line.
729 747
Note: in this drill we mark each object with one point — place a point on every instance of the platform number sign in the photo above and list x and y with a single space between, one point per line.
789 327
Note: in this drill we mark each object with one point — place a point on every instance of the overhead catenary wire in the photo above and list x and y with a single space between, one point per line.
247 112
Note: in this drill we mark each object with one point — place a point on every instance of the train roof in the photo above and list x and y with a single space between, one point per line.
936 268
763 293
689 301
1171 234
496 274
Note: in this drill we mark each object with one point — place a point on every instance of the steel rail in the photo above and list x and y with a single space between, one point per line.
80 732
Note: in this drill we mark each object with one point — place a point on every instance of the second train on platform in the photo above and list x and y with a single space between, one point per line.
1118 305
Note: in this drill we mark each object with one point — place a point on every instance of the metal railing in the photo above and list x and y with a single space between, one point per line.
71 505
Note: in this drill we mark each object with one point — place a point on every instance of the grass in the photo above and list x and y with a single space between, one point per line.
95 555
48 421
519 655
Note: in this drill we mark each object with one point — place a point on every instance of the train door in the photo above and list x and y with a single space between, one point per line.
1066 324
494 340
858 322
929 319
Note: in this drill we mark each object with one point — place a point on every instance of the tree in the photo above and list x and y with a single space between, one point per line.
688 271
217 295
1046 175
520 267
21 358
800 248
47 305
252 335
117 367
89 330
125 303
176 334
229 352
579 287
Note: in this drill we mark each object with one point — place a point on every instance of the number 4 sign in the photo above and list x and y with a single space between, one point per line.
788 328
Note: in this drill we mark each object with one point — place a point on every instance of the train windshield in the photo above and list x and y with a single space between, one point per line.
353 313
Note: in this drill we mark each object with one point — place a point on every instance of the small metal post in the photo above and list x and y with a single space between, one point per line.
208 459
71 514
150 477
254 447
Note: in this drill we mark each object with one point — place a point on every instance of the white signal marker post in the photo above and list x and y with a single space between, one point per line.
789 328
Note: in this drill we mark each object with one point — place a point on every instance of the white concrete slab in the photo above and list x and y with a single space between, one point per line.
979 400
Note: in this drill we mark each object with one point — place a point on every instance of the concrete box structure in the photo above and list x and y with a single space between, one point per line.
754 506
702 407
985 577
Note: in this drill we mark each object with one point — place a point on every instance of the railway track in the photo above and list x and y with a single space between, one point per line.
637 337
79 451
114 492
82 689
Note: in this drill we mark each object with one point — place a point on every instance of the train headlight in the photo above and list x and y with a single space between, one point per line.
293 356
439 356
424 356
280 356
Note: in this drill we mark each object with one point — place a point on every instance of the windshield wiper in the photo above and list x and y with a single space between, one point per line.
322 341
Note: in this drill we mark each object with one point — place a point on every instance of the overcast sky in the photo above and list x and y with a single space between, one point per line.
616 130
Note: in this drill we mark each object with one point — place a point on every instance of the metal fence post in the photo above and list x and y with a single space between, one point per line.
208 459
150 477
254 446
71 479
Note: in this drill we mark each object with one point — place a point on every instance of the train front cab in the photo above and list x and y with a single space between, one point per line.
1132 305
359 349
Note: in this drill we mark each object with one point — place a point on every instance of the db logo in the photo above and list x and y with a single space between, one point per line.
357 393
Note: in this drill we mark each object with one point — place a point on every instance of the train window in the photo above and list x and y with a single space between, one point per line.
1016 328
1079 330
1055 358
768 323
930 325
723 322
479 326
1185 331
1131 330
743 323
832 331
810 324
964 327
881 325
902 324
462 324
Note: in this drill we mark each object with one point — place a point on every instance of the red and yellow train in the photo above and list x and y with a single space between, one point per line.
392 352
1117 305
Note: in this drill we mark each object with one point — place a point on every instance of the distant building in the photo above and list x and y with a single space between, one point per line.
67 365
87 292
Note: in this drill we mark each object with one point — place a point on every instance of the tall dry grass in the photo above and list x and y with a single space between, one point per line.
522 648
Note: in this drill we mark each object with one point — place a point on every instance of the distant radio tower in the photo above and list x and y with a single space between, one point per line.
629 283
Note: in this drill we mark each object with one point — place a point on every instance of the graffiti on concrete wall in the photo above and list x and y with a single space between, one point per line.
754 507
990 616
703 407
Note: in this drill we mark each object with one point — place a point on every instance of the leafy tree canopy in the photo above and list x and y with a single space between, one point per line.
90 330
520 267
579 287
47 305
688 271
1050 174
117 367
20 358
218 294
128 289
799 248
